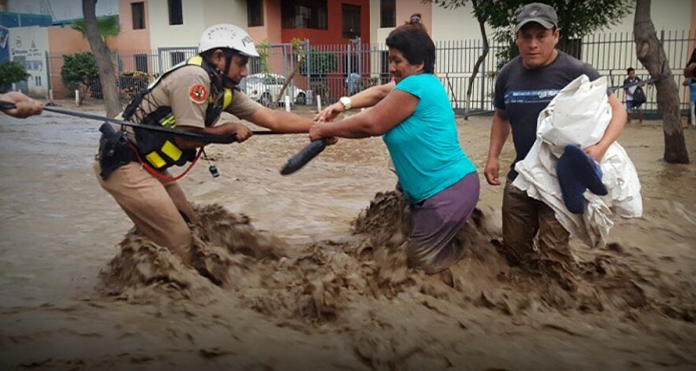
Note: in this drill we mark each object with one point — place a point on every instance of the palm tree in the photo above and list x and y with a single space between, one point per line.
108 27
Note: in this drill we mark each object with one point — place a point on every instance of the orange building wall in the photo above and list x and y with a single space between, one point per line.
62 41
65 41
334 34
130 39
272 9
271 24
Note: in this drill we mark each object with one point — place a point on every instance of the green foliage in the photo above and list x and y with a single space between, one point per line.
11 72
79 69
262 49
108 26
575 18
297 48
320 63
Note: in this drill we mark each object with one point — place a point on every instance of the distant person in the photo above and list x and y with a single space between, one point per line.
24 106
691 83
352 83
634 95
690 65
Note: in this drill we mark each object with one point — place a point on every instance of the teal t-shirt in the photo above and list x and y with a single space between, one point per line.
425 148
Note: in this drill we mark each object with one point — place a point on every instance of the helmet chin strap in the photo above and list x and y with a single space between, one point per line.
221 75
228 64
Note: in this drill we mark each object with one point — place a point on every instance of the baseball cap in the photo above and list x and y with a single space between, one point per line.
540 13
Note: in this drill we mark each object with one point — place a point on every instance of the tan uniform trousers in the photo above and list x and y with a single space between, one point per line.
523 218
156 207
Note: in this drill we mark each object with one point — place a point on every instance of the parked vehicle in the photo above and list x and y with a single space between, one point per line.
264 88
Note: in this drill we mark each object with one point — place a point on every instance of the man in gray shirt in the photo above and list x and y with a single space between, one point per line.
523 89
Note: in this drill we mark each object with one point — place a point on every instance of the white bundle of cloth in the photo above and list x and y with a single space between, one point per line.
579 115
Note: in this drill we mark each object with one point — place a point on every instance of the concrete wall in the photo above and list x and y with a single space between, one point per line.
223 11
456 24
375 21
163 35
28 45
665 14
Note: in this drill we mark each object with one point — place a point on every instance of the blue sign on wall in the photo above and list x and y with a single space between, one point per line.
11 20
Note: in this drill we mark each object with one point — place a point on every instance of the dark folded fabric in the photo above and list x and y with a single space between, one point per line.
587 169
576 172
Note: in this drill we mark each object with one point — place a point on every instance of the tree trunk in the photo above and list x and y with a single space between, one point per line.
652 56
103 59
479 62
289 79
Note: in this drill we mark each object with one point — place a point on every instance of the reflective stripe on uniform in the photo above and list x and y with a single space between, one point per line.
171 150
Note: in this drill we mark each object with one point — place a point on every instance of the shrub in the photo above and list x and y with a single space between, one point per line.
11 72
79 72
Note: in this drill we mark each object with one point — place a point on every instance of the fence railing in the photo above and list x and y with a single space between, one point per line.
326 68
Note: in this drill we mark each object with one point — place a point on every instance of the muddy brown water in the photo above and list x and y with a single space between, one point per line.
284 282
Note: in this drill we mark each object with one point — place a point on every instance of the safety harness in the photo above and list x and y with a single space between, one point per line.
158 150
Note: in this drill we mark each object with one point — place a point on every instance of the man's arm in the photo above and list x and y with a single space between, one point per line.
613 131
500 130
280 121
242 132
24 106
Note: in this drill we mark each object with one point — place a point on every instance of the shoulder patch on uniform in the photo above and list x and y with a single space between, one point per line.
198 93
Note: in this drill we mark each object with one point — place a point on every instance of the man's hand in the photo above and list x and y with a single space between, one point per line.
315 133
331 112
492 170
25 106
315 130
241 131
596 151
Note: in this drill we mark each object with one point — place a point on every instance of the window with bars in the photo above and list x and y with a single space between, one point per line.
138 12
255 13
312 14
351 20
141 62
387 11
176 14
177 57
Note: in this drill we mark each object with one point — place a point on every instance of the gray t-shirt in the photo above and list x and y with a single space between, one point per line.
524 93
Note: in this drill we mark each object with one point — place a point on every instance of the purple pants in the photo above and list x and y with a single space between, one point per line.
435 223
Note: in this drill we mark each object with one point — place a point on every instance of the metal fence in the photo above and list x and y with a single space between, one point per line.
332 71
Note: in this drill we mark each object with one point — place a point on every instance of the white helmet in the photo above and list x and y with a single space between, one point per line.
227 36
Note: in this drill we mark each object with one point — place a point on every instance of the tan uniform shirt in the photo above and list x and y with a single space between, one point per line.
186 91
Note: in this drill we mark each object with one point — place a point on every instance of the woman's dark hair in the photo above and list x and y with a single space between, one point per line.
413 41
415 18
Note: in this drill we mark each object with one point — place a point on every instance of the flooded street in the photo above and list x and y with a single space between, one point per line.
292 288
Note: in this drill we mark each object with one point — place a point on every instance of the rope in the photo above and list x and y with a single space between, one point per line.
159 175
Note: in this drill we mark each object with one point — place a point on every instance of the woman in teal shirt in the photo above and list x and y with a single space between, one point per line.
417 124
